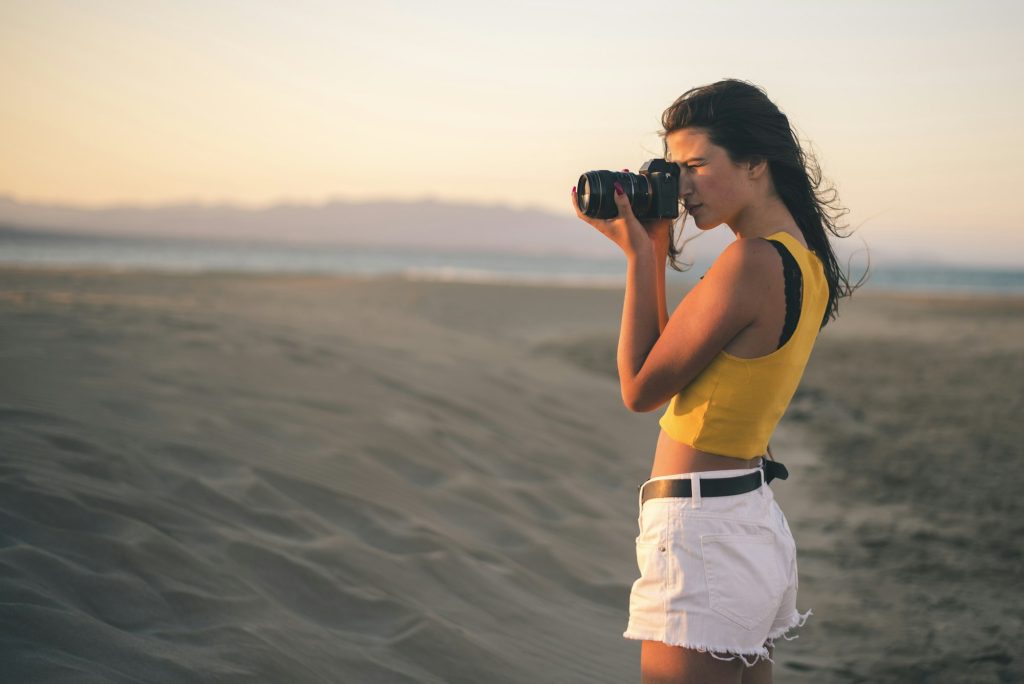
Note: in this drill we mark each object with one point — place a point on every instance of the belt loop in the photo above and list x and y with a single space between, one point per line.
695 489
640 507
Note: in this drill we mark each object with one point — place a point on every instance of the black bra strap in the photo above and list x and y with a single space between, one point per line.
794 290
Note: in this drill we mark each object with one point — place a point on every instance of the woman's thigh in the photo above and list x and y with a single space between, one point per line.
664 664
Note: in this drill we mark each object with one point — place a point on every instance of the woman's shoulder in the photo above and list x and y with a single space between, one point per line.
751 261
747 248
740 277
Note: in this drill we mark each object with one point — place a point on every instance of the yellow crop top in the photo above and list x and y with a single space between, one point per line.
732 407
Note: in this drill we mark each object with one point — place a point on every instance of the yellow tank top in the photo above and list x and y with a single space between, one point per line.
732 407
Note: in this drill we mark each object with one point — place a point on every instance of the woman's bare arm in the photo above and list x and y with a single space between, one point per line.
657 360
711 314
640 327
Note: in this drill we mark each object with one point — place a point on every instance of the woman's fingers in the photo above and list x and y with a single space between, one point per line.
596 223
624 230
622 203
602 225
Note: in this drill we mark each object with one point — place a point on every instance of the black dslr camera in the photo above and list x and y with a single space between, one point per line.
653 193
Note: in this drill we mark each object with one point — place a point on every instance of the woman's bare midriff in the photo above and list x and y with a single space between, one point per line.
672 457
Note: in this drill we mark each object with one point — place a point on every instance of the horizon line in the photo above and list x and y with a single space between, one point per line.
262 206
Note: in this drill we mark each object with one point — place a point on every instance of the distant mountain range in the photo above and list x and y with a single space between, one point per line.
426 223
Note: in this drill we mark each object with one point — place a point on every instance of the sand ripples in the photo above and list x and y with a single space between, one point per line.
265 497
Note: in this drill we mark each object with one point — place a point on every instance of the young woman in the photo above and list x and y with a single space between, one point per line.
718 573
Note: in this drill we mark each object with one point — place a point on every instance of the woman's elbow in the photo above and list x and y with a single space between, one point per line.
639 402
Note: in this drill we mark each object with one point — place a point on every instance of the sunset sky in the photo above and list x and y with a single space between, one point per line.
913 108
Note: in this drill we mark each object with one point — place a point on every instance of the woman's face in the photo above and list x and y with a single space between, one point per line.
714 189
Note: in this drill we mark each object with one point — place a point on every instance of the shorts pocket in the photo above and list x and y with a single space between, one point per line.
744 576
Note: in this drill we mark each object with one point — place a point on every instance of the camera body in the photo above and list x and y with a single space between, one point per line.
653 193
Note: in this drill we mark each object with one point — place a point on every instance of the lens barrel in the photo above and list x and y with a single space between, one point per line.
595 193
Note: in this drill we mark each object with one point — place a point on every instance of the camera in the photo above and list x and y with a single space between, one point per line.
653 193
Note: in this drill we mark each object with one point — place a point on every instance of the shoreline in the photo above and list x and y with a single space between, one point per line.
677 288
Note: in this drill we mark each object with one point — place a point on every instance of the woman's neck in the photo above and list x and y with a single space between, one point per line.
764 218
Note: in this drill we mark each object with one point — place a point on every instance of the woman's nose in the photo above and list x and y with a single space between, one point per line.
685 187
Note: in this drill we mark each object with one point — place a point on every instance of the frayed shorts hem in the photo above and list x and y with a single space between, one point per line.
797 620
756 655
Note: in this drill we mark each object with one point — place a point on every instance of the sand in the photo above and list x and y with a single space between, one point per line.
240 478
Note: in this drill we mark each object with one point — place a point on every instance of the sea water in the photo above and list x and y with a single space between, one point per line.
31 248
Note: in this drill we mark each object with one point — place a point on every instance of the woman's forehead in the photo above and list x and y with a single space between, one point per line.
687 143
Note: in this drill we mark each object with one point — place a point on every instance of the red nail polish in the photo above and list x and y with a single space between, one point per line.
618 188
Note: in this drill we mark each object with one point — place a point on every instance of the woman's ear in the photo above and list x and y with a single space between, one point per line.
756 167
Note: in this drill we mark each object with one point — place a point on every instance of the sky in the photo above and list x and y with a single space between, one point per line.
912 108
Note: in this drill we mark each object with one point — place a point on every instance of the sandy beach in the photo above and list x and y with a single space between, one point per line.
254 478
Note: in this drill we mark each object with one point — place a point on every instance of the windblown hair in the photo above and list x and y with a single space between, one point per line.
739 117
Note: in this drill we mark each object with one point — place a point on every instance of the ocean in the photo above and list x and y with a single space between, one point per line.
30 248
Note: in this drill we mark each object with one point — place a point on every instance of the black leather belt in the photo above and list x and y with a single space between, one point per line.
715 486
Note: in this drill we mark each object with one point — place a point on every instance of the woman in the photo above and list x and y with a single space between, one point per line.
717 561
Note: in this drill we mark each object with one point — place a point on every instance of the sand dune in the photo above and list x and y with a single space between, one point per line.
223 479
247 478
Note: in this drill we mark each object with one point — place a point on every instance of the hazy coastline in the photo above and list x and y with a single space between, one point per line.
20 247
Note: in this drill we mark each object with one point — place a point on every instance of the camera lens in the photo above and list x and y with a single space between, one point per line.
583 194
595 193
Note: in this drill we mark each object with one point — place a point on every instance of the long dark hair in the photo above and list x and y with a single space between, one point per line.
739 117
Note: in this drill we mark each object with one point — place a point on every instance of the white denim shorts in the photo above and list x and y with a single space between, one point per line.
717 574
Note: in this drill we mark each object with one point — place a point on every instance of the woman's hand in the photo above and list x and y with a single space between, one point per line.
625 230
